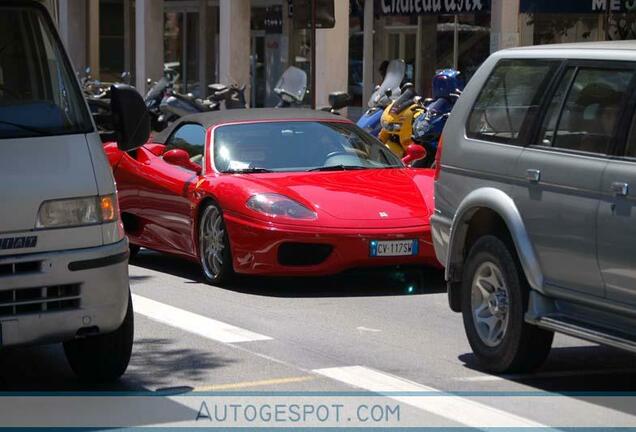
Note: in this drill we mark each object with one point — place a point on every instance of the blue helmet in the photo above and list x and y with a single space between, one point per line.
445 82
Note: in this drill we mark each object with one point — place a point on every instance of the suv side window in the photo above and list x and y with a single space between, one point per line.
630 146
585 109
512 93
191 138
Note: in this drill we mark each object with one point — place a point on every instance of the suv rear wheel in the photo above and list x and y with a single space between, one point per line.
494 300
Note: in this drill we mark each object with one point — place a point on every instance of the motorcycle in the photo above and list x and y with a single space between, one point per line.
155 95
427 128
397 120
167 105
382 97
291 87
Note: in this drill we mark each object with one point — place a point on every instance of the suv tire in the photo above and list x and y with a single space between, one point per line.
103 358
494 314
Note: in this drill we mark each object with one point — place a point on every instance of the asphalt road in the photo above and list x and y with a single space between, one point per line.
386 329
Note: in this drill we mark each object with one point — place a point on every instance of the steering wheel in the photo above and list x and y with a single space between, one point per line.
337 153
10 92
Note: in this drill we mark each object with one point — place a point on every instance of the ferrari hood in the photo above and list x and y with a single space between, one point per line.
365 198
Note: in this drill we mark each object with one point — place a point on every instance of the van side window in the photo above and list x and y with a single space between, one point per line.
512 92
191 138
39 95
592 107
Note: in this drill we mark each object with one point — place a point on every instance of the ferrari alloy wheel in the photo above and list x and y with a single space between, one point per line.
214 248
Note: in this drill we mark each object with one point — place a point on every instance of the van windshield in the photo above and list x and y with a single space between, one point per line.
39 95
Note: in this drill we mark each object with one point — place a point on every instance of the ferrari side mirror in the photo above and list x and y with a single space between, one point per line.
181 158
414 152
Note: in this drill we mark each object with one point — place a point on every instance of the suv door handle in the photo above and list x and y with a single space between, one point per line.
620 188
533 175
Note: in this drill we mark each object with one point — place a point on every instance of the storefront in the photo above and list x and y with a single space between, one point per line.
251 42
543 22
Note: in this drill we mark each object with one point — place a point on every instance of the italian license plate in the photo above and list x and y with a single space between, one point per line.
393 248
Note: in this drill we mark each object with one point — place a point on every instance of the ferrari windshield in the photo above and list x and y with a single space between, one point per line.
298 146
39 94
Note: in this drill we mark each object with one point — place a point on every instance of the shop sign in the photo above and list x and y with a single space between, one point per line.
274 20
577 6
431 7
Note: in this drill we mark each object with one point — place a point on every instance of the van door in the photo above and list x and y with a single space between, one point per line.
44 153
617 223
563 169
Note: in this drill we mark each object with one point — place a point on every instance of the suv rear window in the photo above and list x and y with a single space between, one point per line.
39 94
512 92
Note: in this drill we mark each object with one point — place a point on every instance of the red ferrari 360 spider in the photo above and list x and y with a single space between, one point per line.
273 192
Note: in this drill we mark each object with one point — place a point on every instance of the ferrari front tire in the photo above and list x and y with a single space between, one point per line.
214 246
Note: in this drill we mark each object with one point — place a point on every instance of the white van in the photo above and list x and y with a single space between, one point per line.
63 253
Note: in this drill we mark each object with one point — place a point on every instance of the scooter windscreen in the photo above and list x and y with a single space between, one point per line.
292 85
394 75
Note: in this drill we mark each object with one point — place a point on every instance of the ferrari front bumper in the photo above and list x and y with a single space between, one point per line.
255 247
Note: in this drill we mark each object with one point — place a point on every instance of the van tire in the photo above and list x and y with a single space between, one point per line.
103 358
522 347
134 250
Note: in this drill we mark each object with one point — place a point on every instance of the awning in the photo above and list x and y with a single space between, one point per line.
577 6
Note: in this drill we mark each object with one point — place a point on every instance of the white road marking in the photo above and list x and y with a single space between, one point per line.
193 323
368 330
454 408
542 375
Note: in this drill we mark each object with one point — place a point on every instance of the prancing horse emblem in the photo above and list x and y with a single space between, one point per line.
384 215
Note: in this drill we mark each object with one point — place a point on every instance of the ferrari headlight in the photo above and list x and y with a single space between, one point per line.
276 205
78 212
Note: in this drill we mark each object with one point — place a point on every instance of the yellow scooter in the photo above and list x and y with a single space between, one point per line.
397 120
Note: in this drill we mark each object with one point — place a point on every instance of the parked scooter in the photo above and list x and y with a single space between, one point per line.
176 105
397 120
382 97
155 95
291 87
427 128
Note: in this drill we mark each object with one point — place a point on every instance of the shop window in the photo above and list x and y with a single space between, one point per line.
111 40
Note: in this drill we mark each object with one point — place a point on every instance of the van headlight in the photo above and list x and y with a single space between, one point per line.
78 212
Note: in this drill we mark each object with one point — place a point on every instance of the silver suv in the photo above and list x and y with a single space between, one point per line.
535 215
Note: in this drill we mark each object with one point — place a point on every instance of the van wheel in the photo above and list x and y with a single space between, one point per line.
494 301
103 358
134 250
214 246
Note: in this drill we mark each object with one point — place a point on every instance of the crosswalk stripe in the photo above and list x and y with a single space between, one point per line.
200 325
454 408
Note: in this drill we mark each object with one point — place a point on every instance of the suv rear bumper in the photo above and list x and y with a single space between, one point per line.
440 232
49 297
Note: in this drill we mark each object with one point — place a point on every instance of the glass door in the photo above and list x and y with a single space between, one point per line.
257 58
181 49
403 44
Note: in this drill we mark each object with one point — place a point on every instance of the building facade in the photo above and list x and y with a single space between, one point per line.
251 42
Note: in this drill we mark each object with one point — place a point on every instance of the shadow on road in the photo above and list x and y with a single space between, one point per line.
155 363
576 369
378 281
